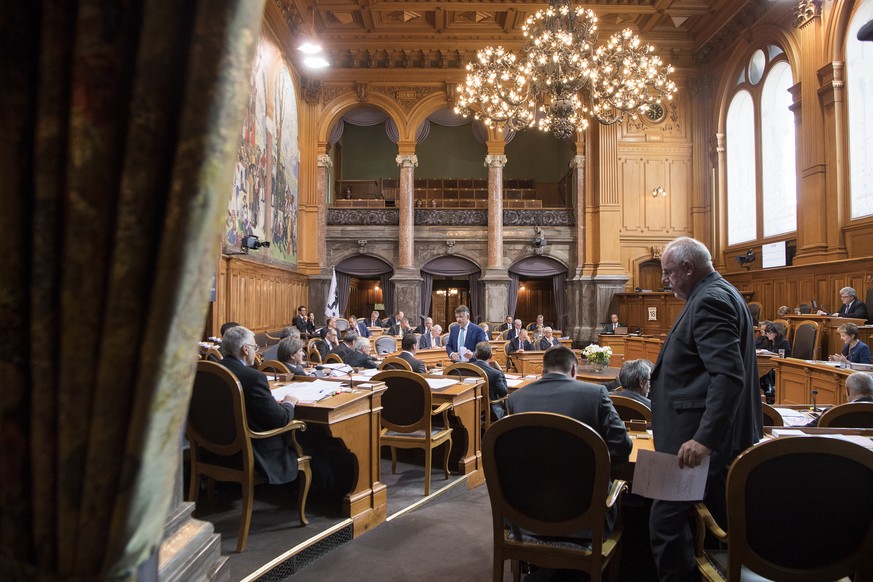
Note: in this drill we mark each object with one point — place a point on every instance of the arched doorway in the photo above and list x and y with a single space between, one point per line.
447 282
363 284
649 277
537 287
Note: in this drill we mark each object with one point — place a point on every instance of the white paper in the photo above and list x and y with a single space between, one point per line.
511 382
658 476
340 368
367 372
793 417
307 391
440 383
464 354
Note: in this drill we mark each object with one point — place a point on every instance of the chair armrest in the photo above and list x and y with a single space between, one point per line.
444 407
292 425
499 400
615 490
705 519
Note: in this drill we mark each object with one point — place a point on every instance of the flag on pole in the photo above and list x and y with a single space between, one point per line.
332 307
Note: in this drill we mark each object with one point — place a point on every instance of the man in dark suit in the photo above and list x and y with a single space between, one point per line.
496 380
464 337
270 352
852 306
635 379
360 358
401 328
359 326
548 340
425 326
375 320
330 341
705 395
515 330
613 324
521 343
859 388
274 456
409 345
431 339
304 323
507 323
393 320
347 346
559 392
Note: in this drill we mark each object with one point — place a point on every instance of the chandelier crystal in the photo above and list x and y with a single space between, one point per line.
563 77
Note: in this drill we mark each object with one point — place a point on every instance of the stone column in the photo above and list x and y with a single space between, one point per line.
406 230
496 277
324 165
576 299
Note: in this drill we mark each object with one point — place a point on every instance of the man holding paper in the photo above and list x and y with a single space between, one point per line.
705 396
464 337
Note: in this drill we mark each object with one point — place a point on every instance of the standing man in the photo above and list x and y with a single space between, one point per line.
464 337
409 346
305 324
705 396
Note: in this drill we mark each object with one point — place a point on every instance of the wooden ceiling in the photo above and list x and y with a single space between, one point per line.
428 33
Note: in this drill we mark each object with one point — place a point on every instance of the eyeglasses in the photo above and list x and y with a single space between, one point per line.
255 346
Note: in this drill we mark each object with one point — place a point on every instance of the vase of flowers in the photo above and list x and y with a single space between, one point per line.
597 357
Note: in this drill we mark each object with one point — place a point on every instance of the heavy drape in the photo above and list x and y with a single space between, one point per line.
365 266
450 266
120 123
541 267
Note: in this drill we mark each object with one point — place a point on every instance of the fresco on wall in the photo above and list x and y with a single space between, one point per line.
264 197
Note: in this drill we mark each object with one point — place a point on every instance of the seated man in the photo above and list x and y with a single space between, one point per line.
375 320
401 328
291 352
852 306
859 388
360 358
274 456
304 323
226 326
613 324
521 343
507 323
290 331
515 330
409 345
425 327
330 341
635 378
496 380
431 339
347 346
548 340
394 320
330 324
359 326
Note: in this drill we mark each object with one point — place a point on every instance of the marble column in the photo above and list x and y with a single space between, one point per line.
496 277
406 230
576 290
324 165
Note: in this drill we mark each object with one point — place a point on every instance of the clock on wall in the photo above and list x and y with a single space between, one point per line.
655 112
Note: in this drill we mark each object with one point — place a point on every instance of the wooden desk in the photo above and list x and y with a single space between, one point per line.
604 377
616 342
499 351
766 363
796 379
642 441
637 347
466 399
353 418
432 357
528 362
831 343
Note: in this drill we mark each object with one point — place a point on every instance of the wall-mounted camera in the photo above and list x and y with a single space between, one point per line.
252 242
745 260
539 240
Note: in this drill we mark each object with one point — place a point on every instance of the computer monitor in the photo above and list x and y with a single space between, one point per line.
621 330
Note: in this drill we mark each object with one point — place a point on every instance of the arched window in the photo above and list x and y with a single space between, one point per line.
859 84
761 164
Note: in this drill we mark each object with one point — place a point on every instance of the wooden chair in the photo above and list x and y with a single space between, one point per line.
850 415
755 308
273 336
473 371
443 339
772 535
807 341
342 324
509 362
312 353
395 363
333 359
630 409
407 419
273 367
213 355
530 453
259 359
504 335
385 344
805 308
531 326
771 416
221 441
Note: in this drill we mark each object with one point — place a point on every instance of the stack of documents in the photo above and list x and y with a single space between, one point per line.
307 391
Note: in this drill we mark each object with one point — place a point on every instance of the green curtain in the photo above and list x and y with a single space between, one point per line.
119 122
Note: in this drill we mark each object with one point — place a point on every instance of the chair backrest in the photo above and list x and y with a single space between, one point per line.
771 415
770 535
805 340
453 325
630 409
213 355
395 363
504 335
217 413
385 344
755 310
465 369
273 336
788 333
850 415
312 353
531 326
805 308
444 338
333 359
274 367
342 323
406 402
545 452
261 339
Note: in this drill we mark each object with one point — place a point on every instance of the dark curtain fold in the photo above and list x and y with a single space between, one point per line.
474 296
366 266
343 288
387 293
558 288
426 293
513 293
116 119
539 266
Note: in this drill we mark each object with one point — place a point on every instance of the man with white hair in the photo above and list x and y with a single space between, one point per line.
851 307
360 358
273 456
431 339
548 340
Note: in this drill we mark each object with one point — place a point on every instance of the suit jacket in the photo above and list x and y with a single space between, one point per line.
323 348
362 329
544 343
475 334
427 341
858 309
303 324
296 370
496 387
636 396
705 382
372 323
610 327
502 327
273 456
390 323
343 350
359 360
516 345
860 354
513 333
417 365
588 403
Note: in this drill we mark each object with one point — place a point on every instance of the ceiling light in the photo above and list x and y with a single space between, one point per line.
316 62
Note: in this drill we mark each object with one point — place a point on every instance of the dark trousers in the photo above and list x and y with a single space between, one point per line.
670 531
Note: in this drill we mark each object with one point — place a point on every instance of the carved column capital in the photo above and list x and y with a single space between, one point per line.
805 12
324 161
577 162
495 161
407 160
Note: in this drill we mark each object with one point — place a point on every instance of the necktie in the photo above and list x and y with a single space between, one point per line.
462 335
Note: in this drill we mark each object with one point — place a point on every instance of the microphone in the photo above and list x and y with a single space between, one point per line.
814 394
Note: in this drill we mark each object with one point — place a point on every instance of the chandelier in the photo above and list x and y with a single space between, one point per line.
563 77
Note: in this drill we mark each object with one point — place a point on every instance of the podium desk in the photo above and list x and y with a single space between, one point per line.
616 342
637 347
465 417
353 419
796 379
528 362
828 325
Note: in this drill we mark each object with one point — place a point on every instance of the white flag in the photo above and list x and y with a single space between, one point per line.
332 307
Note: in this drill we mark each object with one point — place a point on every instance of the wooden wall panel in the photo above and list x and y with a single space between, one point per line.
256 295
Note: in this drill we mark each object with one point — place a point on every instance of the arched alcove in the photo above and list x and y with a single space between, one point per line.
364 283
447 282
543 281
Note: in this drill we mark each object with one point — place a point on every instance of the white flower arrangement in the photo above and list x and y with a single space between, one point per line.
596 354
